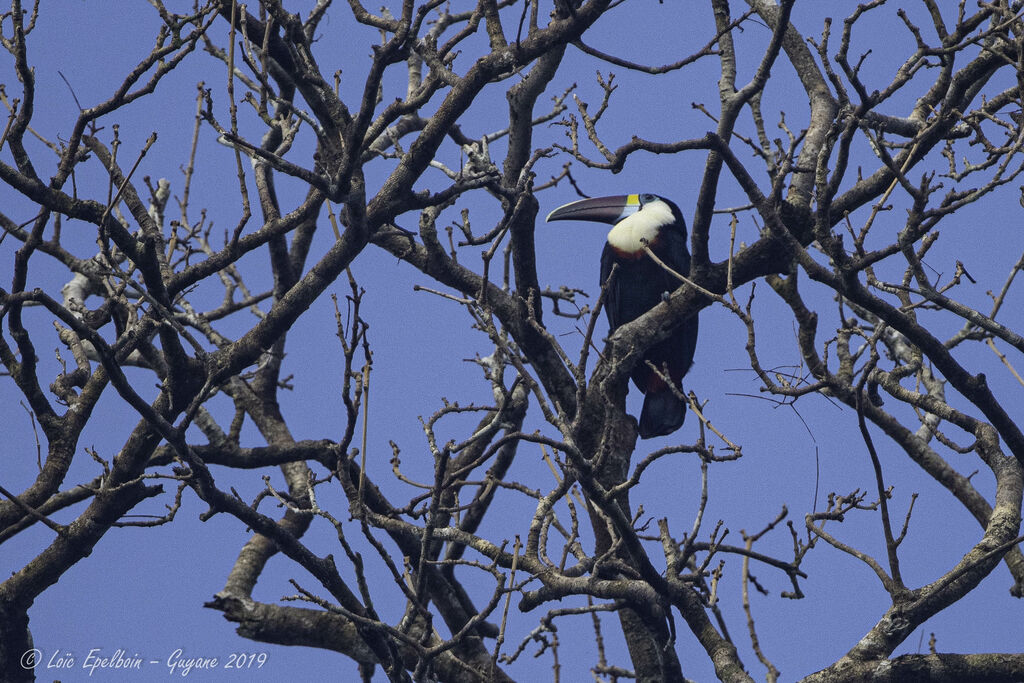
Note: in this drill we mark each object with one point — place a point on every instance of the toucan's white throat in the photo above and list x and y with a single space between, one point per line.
635 231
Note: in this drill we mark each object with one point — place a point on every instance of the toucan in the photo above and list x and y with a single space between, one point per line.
639 284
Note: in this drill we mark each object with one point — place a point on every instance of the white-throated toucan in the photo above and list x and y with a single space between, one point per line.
640 284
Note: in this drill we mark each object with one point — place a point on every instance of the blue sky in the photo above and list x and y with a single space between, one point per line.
142 590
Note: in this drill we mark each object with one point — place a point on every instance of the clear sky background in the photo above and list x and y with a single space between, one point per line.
142 590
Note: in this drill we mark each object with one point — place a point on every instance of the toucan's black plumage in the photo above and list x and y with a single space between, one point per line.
639 285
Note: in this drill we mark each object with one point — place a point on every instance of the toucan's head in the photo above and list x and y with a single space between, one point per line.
638 218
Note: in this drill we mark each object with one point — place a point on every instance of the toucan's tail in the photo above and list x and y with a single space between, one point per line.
663 413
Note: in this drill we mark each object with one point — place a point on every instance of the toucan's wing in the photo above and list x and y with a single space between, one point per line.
683 341
672 250
612 297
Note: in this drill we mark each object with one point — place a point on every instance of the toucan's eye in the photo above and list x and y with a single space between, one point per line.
647 198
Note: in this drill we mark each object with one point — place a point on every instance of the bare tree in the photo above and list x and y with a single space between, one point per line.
847 201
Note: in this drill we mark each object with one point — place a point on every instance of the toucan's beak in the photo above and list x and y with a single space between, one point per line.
609 210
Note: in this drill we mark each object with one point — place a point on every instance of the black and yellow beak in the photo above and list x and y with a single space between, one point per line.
609 210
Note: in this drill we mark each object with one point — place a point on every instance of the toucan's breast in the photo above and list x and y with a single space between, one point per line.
625 254
640 229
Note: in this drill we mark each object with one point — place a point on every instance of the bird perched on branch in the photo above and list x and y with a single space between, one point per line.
639 284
